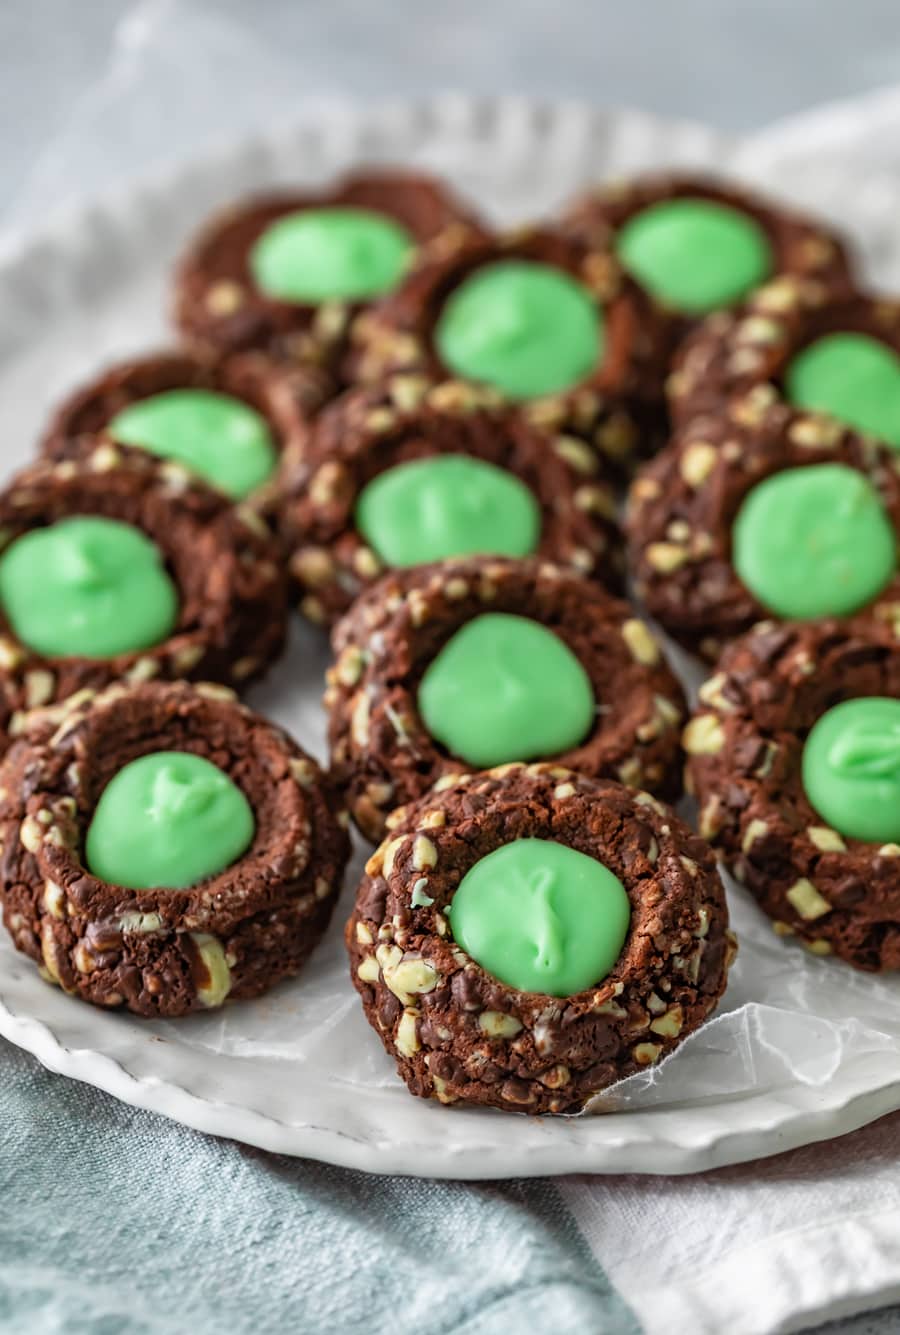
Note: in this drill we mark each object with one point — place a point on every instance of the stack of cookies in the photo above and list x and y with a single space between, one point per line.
421 434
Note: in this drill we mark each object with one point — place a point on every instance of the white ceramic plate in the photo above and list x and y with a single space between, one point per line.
802 1049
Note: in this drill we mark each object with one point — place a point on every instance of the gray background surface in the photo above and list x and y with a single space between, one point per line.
738 64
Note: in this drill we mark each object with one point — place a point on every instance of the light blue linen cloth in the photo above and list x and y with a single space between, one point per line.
115 1221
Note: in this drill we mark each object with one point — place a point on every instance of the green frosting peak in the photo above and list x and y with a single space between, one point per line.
167 821
541 917
506 688
814 542
87 587
870 754
852 377
851 768
80 567
177 792
526 328
449 505
695 254
222 439
332 254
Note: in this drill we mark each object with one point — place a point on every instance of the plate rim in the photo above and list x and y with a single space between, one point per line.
794 1117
